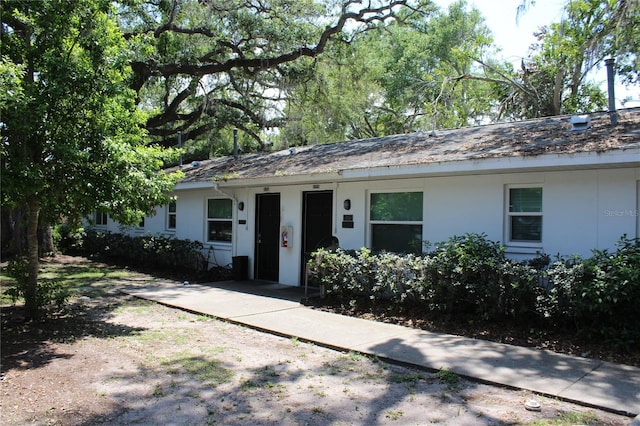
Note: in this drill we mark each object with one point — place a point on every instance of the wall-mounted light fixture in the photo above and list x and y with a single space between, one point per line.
347 204
241 205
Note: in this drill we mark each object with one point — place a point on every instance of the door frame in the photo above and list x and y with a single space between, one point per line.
273 244
303 234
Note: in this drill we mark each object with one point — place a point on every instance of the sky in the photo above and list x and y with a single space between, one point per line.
515 37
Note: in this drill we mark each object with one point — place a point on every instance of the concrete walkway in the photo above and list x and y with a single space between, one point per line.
276 309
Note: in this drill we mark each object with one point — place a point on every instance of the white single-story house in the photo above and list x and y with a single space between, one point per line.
559 185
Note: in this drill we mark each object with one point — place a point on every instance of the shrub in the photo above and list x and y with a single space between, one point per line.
467 274
49 292
153 251
69 239
472 275
598 296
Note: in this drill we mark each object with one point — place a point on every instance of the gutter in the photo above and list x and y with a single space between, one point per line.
216 188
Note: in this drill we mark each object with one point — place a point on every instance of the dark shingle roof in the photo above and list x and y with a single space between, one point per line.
552 135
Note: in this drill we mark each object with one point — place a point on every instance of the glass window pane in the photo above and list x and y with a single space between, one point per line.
396 238
100 218
219 209
172 207
526 228
219 231
396 206
525 199
172 221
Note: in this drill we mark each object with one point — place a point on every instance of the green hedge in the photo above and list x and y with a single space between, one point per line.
598 296
471 275
152 251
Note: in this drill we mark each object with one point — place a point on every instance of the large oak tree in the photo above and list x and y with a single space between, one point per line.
203 65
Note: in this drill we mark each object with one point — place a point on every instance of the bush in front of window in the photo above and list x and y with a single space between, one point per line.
597 296
466 274
153 251
469 275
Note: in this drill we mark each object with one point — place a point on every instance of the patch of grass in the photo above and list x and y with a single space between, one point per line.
165 336
6 284
158 392
411 379
203 318
276 388
208 371
370 375
332 368
394 414
137 306
83 278
249 384
267 372
77 279
353 357
568 419
450 378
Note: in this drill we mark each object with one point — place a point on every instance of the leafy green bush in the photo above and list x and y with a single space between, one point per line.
153 251
49 292
599 295
467 274
68 239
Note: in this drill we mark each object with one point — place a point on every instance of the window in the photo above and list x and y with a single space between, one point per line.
101 218
141 223
171 215
396 221
524 215
219 220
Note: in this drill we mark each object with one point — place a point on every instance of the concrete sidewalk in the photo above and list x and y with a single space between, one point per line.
276 309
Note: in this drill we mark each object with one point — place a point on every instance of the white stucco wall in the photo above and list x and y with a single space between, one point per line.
582 210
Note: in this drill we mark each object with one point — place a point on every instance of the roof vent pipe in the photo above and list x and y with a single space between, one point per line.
235 144
613 115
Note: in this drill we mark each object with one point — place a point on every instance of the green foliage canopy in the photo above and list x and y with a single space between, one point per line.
72 135
72 139
202 65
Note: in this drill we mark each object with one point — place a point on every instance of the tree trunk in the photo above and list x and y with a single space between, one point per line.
13 236
557 93
31 292
45 240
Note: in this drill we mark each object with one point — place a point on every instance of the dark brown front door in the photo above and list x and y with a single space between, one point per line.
317 223
267 237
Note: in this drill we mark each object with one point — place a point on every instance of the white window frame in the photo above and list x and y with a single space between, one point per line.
508 215
208 220
170 213
371 222
102 215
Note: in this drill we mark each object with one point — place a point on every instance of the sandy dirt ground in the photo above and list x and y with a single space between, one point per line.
133 362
